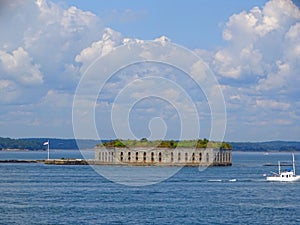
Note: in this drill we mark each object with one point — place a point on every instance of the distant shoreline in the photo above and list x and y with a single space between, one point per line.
42 150
236 151
36 144
265 152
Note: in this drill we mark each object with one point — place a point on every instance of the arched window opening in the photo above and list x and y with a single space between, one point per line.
145 155
159 157
136 156
200 156
152 156
121 156
172 156
129 156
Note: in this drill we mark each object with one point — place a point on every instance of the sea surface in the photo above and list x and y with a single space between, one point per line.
49 194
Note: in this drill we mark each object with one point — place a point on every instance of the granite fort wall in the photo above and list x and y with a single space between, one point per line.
163 156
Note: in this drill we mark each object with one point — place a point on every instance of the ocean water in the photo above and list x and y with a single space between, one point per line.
49 194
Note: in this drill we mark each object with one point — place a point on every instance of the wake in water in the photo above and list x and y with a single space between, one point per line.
219 180
237 180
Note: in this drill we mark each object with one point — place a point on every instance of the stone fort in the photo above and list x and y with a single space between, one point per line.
147 156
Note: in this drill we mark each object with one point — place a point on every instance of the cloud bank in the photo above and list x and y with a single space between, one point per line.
43 58
259 67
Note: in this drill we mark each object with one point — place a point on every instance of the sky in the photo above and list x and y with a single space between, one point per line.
250 48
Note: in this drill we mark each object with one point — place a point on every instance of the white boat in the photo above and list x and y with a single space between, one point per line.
286 175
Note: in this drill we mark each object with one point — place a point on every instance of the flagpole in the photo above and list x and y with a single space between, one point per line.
48 150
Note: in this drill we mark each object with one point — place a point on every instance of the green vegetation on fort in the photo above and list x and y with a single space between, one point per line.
165 144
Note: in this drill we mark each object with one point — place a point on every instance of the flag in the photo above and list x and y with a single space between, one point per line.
46 143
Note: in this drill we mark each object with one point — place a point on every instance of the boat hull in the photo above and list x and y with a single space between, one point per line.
284 179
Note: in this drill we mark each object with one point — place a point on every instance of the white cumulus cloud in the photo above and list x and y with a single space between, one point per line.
258 39
19 66
259 67
110 39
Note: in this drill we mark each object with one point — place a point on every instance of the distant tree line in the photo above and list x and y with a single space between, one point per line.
56 143
37 143
9 143
266 146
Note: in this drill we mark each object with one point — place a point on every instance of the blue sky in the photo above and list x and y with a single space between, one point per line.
194 24
252 49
